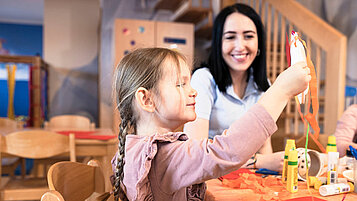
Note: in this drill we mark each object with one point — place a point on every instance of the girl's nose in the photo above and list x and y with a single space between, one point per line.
193 93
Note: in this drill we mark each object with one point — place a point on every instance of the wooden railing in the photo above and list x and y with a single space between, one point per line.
327 48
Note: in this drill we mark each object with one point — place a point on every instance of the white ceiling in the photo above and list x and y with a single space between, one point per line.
21 11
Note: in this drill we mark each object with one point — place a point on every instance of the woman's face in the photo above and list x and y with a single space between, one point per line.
239 42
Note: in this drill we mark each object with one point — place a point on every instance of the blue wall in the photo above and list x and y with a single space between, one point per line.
19 40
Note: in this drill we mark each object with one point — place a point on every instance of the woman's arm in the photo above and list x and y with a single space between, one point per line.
197 129
266 148
346 129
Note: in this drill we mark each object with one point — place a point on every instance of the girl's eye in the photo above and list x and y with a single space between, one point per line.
181 85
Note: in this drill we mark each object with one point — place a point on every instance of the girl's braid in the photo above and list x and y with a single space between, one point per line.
127 122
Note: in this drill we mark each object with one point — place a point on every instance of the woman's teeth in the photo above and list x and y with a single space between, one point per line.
240 56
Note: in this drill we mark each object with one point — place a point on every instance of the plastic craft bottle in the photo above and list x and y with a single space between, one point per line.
332 167
333 157
333 189
292 176
290 144
331 144
317 182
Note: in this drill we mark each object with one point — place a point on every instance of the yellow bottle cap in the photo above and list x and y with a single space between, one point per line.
352 187
312 181
292 157
317 184
331 144
331 139
290 144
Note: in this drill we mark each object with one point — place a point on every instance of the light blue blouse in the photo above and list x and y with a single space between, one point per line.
221 109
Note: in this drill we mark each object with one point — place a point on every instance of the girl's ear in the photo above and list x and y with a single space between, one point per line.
145 99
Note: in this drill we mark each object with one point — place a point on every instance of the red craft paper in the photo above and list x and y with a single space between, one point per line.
235 174
308 198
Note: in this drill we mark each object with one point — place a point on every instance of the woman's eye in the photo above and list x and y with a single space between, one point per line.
229 37
248 36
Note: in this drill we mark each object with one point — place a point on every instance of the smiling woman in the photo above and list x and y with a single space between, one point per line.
233 79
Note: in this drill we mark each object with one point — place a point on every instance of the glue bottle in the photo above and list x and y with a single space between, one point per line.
331 144
290 144
292 176
333 189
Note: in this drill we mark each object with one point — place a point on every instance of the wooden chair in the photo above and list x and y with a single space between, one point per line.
34 144
11 125
70 181
70 122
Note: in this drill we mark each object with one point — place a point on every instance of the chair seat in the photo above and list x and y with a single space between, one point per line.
30 188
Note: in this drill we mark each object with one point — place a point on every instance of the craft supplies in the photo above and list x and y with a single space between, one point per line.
331 144
266 171
353 151
292 176
334 189
297 53
332 167
316 182
290 144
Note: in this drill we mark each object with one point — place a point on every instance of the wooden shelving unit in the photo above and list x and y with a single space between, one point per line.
37 65
191 11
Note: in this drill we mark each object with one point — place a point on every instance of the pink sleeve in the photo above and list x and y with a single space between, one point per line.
190 162
346 129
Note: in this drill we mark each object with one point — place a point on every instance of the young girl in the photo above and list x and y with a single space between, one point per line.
154 97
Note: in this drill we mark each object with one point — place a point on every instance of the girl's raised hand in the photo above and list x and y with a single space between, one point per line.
294 80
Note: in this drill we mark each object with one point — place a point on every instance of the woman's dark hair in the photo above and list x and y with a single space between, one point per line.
216 64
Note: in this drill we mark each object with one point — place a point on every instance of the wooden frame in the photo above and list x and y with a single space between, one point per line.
37 64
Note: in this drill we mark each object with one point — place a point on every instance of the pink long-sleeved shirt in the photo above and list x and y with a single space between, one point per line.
346 129
172 167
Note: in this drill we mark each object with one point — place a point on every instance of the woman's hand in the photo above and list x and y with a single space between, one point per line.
273 161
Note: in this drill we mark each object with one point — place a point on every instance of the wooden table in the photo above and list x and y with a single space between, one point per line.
101 150
223 193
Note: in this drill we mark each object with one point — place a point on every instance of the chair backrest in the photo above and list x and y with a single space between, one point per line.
73 181
9 123
69 122
37 144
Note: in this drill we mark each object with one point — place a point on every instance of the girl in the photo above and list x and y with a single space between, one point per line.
154 97
233 79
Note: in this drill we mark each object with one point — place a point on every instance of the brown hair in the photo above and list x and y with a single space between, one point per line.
140 68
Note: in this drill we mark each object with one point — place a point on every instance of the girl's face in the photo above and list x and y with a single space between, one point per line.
239 42
175 102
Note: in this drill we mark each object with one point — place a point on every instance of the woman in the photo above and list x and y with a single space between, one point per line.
233 79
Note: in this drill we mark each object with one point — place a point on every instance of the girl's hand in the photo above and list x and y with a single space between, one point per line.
273 161
295 79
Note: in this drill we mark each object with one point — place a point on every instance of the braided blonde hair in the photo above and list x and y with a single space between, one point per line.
140 68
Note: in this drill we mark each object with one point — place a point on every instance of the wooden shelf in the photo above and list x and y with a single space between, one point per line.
204 28
168 5
16 59
187 13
